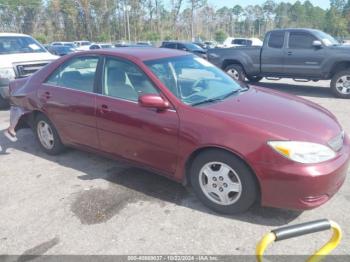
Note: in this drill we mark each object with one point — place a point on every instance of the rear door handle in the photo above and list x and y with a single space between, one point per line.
104 109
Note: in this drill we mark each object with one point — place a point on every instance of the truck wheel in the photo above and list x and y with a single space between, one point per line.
340 84
254 79
4 103
223 182
47 136
236 72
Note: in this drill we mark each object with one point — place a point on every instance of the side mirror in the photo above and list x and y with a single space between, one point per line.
317 44
153 101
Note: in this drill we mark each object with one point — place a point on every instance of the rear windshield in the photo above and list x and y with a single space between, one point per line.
19 44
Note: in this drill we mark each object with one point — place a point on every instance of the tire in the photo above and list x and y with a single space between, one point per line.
254 79
235 198
340 84
4 104
236 72
53 145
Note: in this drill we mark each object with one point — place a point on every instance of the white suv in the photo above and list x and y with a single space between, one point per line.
20 56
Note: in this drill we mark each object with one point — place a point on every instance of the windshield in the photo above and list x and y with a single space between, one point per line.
72 45
326 38
19 44
192 79
193 47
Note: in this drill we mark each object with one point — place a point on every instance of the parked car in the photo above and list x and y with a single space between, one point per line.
144 43
20 56
130 45
61 50
236 42
82 45
200 44
100 46
178 115
185 46
210 44
69 44
305 54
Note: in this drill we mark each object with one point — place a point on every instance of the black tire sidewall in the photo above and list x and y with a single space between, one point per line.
250 190
334 81
239 69
58 145
4 103
254 79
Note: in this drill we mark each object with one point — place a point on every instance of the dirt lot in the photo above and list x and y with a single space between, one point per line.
79 203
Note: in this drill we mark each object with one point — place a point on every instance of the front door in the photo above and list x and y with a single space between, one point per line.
128 130
301 57
70 102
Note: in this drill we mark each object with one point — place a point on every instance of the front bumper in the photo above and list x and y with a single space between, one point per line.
300 186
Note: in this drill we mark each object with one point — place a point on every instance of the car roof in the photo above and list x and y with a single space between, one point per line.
141 53
13 34
296 30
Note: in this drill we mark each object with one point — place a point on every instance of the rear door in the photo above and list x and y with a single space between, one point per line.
68 98
301 57
272 54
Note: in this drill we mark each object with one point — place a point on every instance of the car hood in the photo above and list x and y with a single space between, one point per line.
278 115
11 59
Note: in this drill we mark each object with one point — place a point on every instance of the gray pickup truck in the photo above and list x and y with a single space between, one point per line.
300 54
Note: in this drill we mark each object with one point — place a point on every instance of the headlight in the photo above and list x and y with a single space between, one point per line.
303 152
7 73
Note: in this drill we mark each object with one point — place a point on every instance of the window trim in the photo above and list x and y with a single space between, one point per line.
101 76
64 64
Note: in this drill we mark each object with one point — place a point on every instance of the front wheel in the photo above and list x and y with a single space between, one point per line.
236 72
340 84
223 182
47 136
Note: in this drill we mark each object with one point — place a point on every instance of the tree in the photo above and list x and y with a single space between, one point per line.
194 5
220 36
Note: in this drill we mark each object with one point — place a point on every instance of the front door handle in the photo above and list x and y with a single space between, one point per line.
104 109
289 53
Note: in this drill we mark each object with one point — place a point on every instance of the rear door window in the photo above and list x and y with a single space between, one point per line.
79 74
276 40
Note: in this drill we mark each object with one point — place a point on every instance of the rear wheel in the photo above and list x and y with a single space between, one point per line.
236 72
340 84
47 136
223 182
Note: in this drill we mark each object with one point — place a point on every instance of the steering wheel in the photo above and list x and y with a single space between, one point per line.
196 87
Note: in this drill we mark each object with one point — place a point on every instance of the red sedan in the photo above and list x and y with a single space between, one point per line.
178 115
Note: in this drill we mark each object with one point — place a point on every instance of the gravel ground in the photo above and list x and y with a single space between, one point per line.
80 203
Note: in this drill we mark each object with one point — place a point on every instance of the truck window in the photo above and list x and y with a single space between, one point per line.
298 40
276 40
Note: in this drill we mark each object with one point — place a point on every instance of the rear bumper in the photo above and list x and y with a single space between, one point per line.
300 186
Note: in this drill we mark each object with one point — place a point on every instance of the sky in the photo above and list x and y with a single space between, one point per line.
230 3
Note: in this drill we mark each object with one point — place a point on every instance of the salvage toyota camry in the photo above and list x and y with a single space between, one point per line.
178 115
